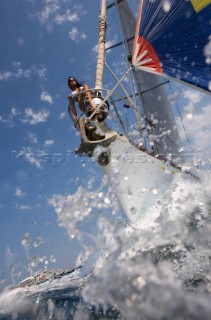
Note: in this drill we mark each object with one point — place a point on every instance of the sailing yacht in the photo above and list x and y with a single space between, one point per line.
161 43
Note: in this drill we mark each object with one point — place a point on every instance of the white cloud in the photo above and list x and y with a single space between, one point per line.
22 73
108 44
14 112
16 64
197 125
19 193
83 36
41 72
94 49
72 17
60 19
48 142
25 207
4 120
5 75
46 97
32 138
9 121
62 115
67 17
30 157
33 118
19 73
193 96
51 6
75 34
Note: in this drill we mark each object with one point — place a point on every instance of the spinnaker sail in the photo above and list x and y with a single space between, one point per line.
173 37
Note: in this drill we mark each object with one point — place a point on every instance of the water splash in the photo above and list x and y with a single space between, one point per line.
156 269
160 271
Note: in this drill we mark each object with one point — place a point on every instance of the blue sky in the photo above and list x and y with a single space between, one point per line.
42 43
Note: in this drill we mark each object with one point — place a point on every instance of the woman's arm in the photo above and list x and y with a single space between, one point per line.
74 111
73 108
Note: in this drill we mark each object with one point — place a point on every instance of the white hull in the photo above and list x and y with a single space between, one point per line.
139 180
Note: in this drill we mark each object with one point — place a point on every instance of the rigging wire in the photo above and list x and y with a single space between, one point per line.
118 116
126 93
114 37
138 112
126 53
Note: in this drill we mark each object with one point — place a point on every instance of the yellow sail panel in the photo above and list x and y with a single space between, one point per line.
200 4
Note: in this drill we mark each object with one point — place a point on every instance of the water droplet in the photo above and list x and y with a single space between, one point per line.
155 191
129 194
52 258
189 116
141 281
208 60
166 6
107 200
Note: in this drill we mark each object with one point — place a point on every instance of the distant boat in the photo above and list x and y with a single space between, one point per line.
44 276
170 38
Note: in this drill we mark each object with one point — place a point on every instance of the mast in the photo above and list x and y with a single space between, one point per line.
101 47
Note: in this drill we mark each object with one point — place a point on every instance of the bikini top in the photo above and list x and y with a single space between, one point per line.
74 93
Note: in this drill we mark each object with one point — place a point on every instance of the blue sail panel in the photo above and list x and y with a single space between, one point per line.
173 37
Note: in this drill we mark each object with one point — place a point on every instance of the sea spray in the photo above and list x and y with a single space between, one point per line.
160 272
156 269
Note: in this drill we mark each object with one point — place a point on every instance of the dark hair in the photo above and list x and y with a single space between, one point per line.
78 84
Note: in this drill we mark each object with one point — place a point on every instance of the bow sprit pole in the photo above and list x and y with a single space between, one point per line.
101 48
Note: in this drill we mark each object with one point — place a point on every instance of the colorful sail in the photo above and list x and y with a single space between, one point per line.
156 105
173 37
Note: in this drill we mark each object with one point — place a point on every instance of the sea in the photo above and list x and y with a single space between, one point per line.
156 269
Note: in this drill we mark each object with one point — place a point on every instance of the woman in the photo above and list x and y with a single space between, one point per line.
84 99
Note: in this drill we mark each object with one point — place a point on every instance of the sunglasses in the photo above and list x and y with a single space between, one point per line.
71 80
